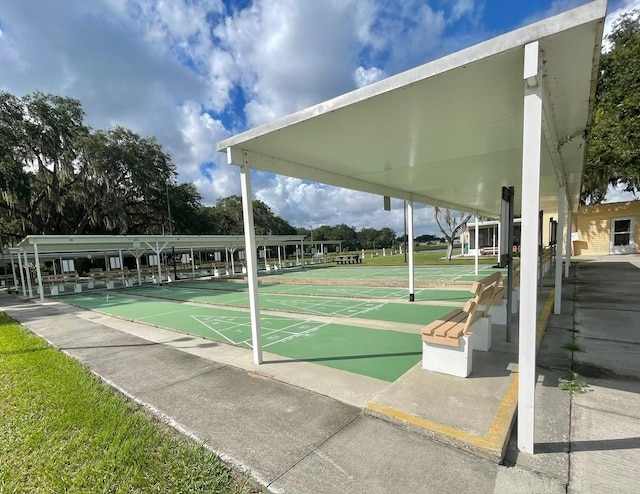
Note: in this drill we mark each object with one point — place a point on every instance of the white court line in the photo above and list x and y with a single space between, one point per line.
272 331
297 335
380 305
214 330
309 307
165 313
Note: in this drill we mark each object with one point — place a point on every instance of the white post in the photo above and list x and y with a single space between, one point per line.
13 270
558 288
159 263
569 246
38 272
138 267
24 290
252 261
493 241
410 249
121 266
193 264
461 244
279 258
531 143
477 246
28 273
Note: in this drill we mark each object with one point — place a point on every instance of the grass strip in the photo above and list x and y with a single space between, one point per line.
63 430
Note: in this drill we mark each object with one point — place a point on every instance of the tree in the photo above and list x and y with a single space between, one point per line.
57 177
613 146
450 224
128 178
225 218
39 136
428 238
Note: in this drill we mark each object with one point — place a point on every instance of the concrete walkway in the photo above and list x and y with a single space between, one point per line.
295 429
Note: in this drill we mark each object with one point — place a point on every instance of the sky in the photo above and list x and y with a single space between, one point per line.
193 72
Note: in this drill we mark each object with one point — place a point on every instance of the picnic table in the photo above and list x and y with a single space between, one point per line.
349 259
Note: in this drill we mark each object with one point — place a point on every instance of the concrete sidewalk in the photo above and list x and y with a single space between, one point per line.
300 427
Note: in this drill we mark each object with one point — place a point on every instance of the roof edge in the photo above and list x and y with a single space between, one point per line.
584 14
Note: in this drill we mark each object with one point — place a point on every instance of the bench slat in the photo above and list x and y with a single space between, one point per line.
433 326
452 328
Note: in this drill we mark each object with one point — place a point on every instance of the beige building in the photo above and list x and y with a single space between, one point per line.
607 228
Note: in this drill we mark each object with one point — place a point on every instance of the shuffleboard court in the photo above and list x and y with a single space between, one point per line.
322 306
452 273
381 354
421 294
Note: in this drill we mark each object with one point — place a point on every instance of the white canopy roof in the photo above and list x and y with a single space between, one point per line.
448 132
70 244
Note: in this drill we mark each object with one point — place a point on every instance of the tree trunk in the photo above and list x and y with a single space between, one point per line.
449 249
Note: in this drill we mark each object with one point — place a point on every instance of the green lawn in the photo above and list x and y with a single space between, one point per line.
422 258
62 430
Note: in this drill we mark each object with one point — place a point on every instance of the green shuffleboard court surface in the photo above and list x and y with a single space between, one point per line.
387 273
421 294
380 354
300 304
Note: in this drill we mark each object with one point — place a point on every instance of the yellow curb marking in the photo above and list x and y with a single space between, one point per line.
497 435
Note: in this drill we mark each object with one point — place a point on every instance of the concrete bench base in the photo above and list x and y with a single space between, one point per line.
482 334
458 361
455 361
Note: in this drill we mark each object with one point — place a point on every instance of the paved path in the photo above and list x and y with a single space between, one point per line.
295 440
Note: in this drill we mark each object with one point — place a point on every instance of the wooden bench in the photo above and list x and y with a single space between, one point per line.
56 282
489 251
448 342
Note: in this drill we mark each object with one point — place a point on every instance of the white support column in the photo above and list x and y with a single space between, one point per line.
24 289
38 272
493 238
279 258
477 246
252 262
157 251
569 245
531 144
121 266
193 264
13 270
557 307
138 268
233 267
28 274
158 257
410 249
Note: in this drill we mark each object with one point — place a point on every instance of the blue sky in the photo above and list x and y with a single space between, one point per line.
193 72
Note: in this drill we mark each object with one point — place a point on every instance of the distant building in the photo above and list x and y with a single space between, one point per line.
606 228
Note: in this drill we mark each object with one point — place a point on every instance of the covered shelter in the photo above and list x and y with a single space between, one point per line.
46 247
511 111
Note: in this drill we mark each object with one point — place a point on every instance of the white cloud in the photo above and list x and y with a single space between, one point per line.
192 72
618 194
306 204
289 54
612 16
364 77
